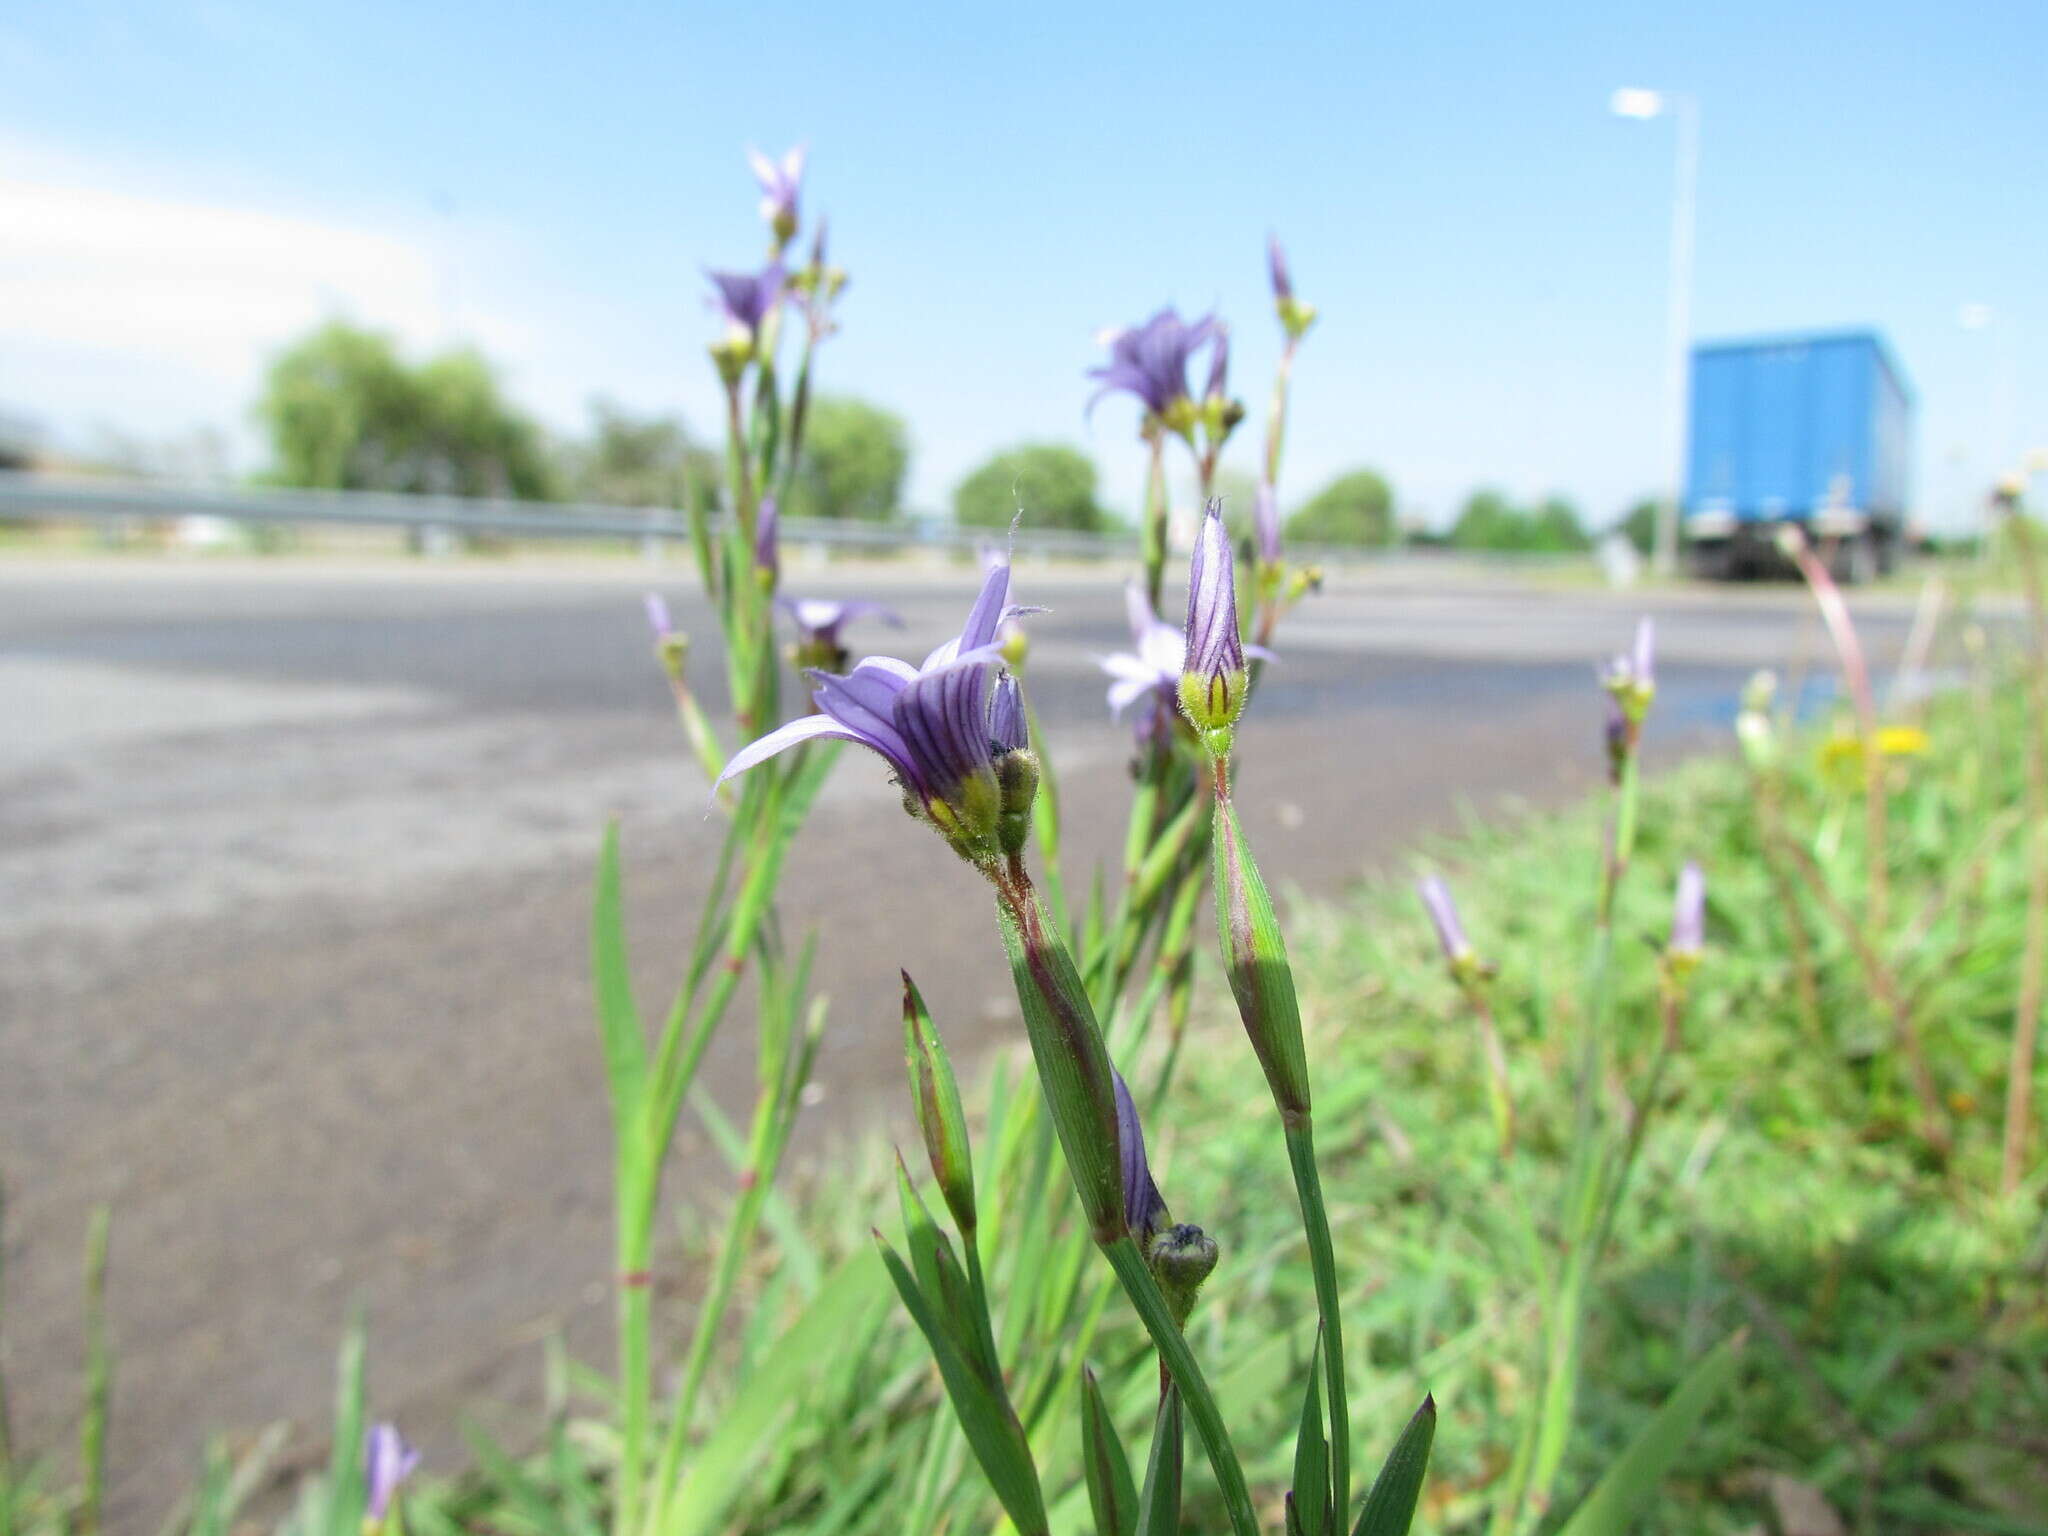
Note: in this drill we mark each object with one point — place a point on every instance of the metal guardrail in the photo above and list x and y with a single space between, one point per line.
27 497
30 497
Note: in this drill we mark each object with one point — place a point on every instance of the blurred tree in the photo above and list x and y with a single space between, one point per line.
1052 484
639 461
854 460
345 412
1486 521
1354 508
1639 524
1555 526
1489 521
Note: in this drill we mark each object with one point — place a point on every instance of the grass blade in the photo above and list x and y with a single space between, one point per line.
1623 1487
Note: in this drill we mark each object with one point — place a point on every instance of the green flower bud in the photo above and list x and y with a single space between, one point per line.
936 1095
1182 1258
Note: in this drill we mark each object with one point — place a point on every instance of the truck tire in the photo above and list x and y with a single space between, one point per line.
1711 559
1853 561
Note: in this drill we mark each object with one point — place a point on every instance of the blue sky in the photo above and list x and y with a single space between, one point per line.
183 185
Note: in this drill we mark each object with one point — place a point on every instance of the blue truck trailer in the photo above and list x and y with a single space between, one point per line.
1808 429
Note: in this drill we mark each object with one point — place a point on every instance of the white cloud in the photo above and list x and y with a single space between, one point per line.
160 314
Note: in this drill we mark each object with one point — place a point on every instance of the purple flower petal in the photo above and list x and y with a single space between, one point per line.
658 616
1689 912
987 612
1443 912
795 734
1276 267
387 1462
1144 1206
1007 728
1266 520
1214 648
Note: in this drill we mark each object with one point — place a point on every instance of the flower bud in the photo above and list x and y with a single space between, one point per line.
1144 1207
1688 920
936 1094
1212 682
1450 932
767 543
670 643
1295 316
387 1462
1689 910
1266 522
1182 1258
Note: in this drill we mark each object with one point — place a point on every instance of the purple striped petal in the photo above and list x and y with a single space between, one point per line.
1007 728
795 734
1214 648
1144 1206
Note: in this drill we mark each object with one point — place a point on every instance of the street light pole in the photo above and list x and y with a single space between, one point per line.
1685 111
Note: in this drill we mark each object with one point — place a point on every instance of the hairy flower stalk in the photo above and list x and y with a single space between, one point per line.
1212 695
1471 975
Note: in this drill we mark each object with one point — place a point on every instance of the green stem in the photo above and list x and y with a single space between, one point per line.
1322 1258
1155 517
1180 1363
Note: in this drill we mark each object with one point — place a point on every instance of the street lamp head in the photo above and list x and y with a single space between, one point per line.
1634 101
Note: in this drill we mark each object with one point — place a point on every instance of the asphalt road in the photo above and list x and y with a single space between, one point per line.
294 873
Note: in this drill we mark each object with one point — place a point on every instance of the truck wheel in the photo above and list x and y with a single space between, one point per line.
1711 561
1853 560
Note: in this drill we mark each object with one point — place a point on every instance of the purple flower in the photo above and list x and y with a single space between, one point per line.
1636 672
780 183
1631 683
1276 265
1144 1207
767 536
1212 672
1010 636
935 725
1219 365
1008 730
1153 663
1150 361
818 621
1266 521
1689 913
1443 912
387 1462
657 615
748 298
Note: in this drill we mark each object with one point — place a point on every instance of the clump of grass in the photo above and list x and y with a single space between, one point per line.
1892 1300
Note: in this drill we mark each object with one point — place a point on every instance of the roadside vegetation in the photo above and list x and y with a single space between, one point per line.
1669 1165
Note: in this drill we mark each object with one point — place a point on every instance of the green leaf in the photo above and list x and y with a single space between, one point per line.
1311 1494
1390 1507
1159 1513
618 1017
1111 1493
835 1323
984 1412
1628 1483
345 1491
